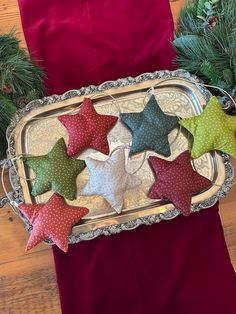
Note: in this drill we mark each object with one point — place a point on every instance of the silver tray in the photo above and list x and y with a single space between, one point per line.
35 129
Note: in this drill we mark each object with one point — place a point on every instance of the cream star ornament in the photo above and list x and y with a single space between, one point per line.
212 130
52 220
110 179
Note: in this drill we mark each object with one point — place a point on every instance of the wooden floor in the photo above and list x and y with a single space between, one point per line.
27 281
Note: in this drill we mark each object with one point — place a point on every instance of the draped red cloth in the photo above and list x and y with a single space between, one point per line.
176 267
84 42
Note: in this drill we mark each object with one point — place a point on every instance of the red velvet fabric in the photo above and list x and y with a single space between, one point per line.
84 42
176 267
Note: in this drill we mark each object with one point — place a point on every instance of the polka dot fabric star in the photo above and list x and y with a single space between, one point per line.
53 220
55 171
150 128
110 179
212 129
176 181
88 129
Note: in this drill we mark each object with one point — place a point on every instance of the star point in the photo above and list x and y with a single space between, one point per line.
55 171
150 128
110 179
88 129
52 220
212 130
176 181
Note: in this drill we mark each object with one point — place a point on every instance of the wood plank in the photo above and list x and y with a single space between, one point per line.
13 232
10 18
12 228
27 280
228 218
176 6
29 286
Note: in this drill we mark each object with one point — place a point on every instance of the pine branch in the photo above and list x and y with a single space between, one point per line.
17 70
188 24
21 81
7 110
200 7
206 45
229 79
9 45
210 72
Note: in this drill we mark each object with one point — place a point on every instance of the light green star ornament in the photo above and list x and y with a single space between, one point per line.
212 130
55 171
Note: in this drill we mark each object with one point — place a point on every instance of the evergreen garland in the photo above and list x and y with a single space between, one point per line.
206 42
21 81
7 110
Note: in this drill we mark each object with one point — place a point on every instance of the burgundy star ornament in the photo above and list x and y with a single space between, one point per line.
52 220
88 129
176 181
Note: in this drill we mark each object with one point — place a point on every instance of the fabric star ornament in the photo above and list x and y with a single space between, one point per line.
212 130
150 128
53 220
55 171
176 181
88 129
110 179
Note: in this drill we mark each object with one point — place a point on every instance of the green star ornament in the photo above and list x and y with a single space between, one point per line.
212 130
55 171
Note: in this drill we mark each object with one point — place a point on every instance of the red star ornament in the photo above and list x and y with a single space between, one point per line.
176 181
88 129
53 220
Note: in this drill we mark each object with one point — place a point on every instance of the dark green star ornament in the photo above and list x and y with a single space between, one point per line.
150 128
55 171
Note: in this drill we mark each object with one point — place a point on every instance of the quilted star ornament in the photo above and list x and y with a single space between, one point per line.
150 128
53 220
88 129
110 179
55 171
176 181
212 130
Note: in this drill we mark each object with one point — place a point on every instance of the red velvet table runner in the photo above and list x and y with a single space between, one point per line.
84 42
175 267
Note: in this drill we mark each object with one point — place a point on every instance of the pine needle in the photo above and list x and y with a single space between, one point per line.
21 81
7 110
17 70
206 41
